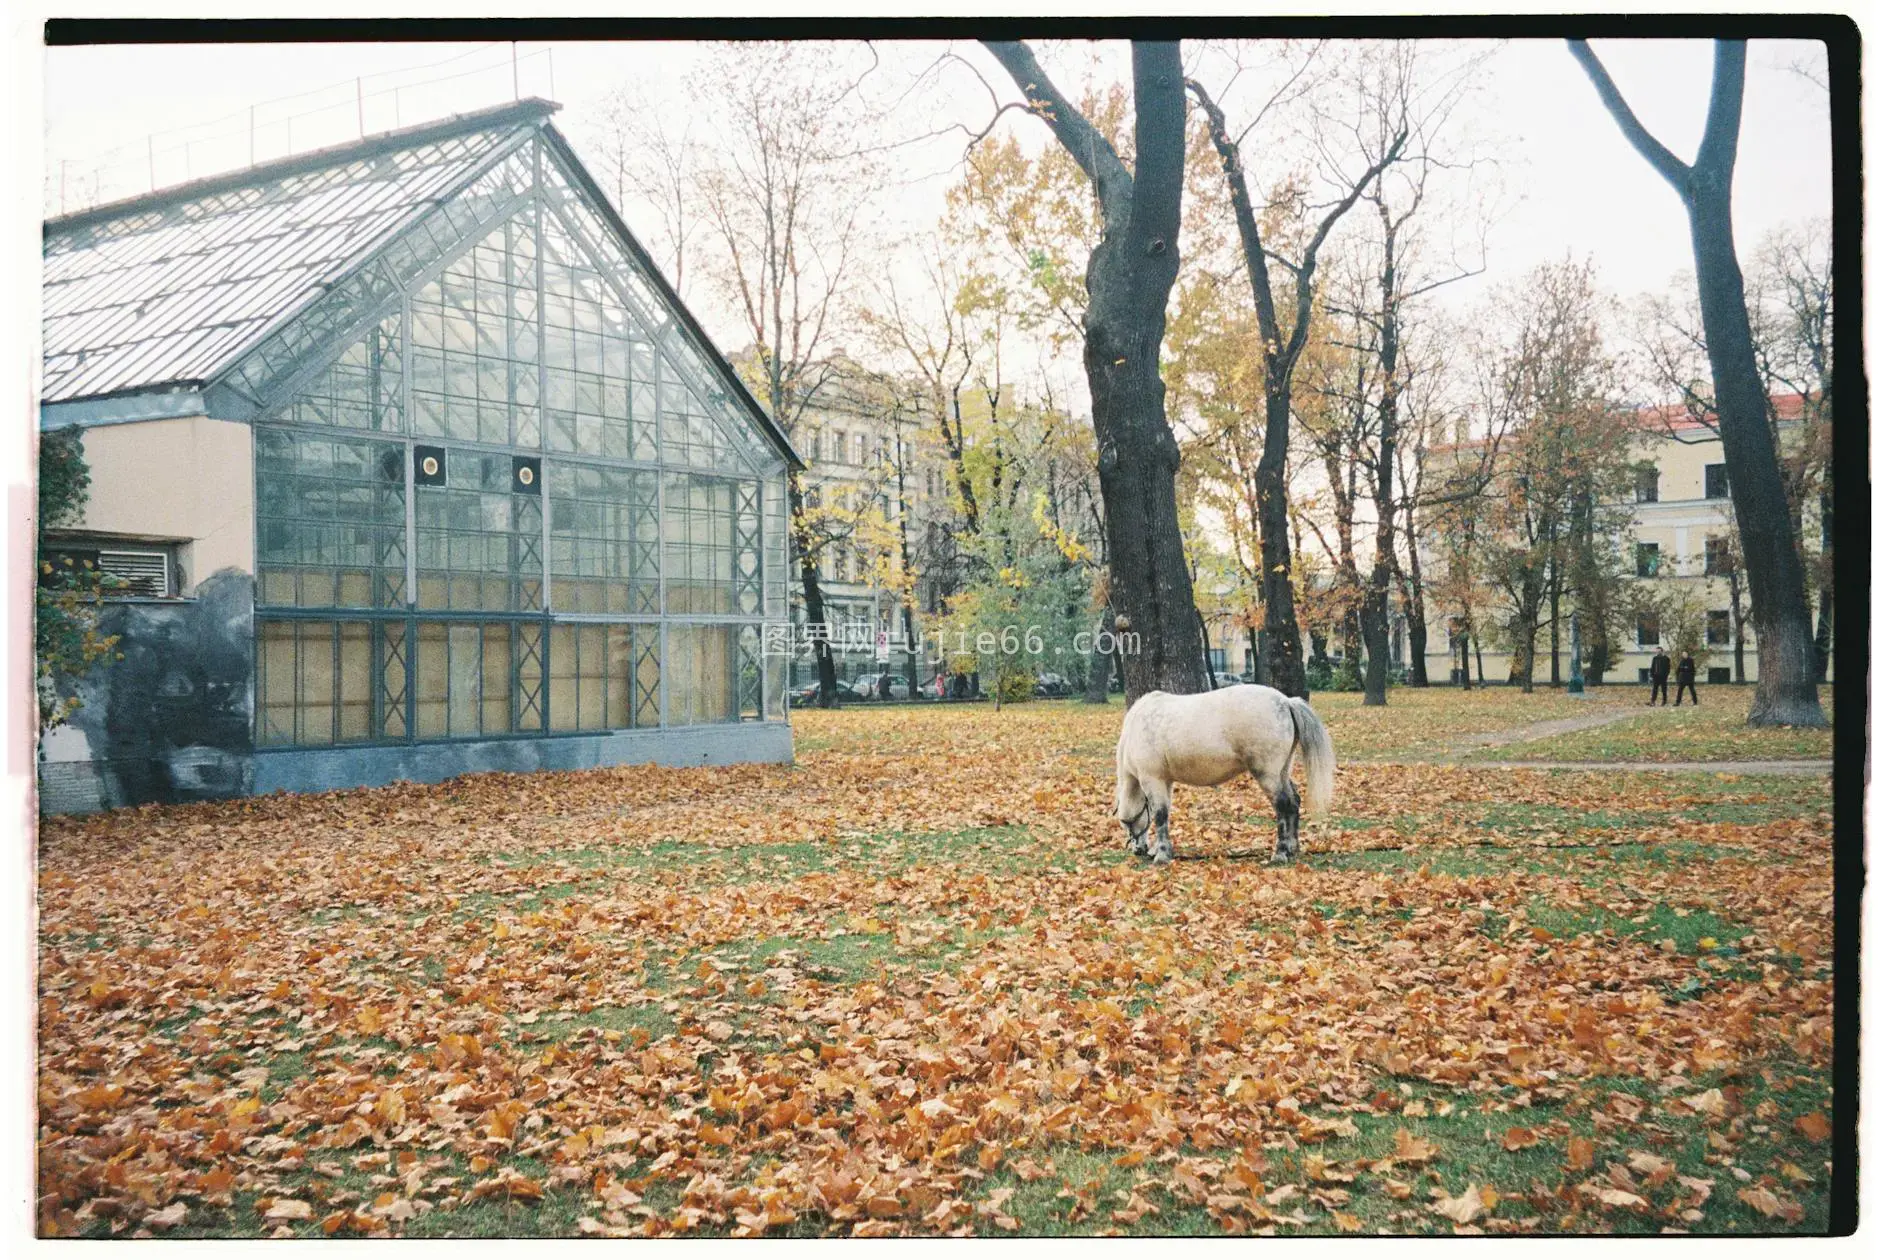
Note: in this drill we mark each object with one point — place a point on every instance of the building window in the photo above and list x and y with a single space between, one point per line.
1716 556
1645 557
1648 629
132 571
1716 481
1646 488
1719 676
603 541
1717 628
576 474
841 446
861 449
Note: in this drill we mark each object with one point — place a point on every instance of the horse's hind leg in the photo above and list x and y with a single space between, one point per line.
1286 805
1278 786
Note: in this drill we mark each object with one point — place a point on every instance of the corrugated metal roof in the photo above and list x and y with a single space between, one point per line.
168 288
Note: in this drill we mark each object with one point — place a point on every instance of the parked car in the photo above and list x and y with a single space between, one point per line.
807 695
1053 685
882 686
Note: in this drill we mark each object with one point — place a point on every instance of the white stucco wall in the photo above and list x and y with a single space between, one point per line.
188 480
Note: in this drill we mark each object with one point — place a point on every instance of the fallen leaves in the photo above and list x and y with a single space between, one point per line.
895 987
1769 1203
1462 1209
1814 1126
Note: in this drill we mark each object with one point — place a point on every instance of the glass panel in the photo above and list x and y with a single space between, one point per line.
775 675
562 712
393 654
776 544
433 678
474 343
705 432
591 677
330 521
274 683
355 681
646 675
699 537
698 674
619 677
603 538
466 678
528 676
485 201
313 683
479 546
750 674
497 692
362 389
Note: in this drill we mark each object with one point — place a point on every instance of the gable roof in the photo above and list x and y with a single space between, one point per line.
168 291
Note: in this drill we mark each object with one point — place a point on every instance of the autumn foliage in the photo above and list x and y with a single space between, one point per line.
913 985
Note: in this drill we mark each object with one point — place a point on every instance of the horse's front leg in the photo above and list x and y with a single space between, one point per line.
1163 852
1286 806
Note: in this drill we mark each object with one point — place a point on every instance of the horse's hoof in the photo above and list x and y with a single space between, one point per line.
1162 859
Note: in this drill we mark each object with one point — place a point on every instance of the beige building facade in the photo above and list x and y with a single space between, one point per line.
1681 531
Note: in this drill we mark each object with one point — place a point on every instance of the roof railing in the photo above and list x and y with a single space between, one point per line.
319 118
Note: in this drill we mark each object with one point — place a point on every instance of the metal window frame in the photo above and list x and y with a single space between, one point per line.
745 468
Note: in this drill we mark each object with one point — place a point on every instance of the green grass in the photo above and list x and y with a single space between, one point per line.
991 850
1688 929
1714 731
1593 864
649 1018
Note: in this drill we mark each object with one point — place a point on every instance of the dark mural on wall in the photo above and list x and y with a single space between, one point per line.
170 720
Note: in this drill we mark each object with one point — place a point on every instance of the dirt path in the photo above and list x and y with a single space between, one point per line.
1673 767
1534 730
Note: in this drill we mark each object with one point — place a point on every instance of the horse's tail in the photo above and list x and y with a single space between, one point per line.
1315 743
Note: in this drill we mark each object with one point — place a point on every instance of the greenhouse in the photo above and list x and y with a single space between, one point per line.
412 464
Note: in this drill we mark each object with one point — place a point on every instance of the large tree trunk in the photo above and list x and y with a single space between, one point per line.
1785 665
1737 618
1102 649
1415 615
1419 633
1281 659
1375 612
1824 615
1553 621
1129 277
813 612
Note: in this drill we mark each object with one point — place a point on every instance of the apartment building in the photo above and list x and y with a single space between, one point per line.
1681 531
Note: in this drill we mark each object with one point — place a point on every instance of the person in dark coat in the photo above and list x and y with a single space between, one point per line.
1687 677
1661 679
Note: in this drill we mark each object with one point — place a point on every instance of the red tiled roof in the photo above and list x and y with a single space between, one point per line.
1676 418
1667 417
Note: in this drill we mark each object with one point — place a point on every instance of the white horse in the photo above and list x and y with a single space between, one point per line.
1207 739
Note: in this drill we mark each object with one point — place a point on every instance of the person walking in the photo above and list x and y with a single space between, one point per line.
1687 677
1661 679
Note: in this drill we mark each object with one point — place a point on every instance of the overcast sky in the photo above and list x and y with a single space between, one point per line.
1572 182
